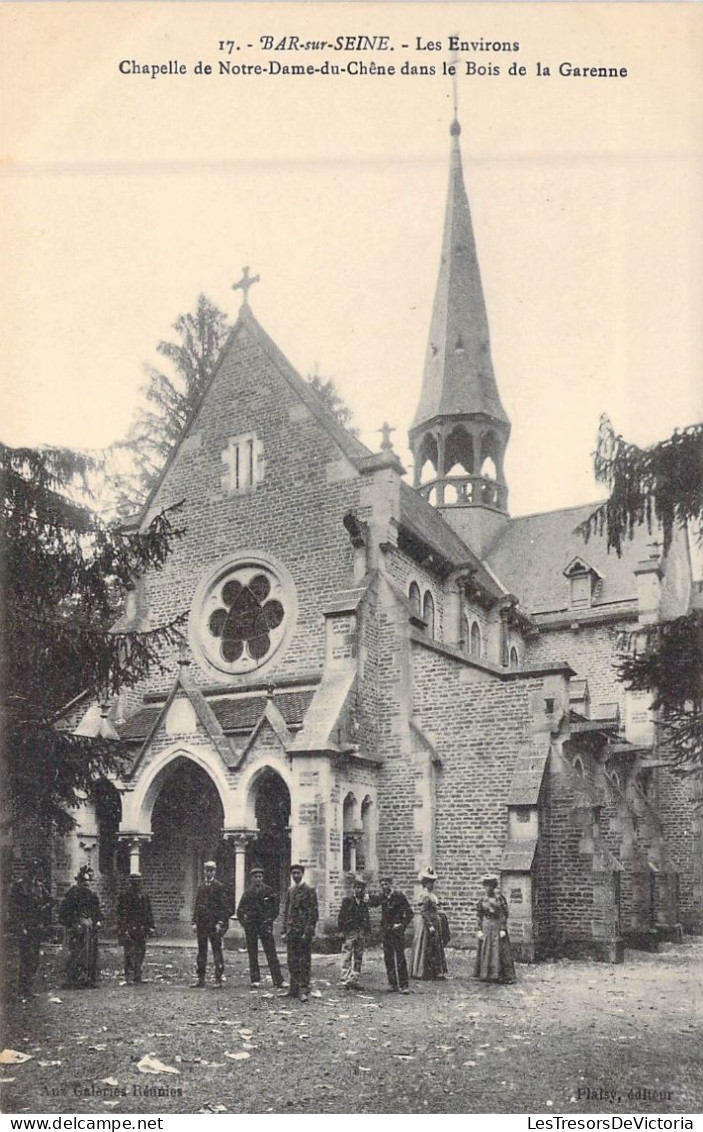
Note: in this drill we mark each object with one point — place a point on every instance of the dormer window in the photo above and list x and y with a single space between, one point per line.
583 581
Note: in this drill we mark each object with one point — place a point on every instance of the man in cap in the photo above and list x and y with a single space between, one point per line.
256 912
353 921
80 915
30 916
396 914
299 922
210 922
135 923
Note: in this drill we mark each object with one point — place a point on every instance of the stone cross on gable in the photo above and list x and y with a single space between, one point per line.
245 284
385 431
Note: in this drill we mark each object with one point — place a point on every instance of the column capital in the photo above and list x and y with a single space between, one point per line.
240 837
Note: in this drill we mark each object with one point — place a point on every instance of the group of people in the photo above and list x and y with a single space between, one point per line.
257 911
494 962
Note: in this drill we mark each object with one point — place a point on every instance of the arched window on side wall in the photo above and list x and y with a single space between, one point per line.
365 851
428 612
414 598
475 639
578 767
350 833
514 658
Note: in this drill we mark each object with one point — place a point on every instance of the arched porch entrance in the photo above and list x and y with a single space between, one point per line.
270 848
186 830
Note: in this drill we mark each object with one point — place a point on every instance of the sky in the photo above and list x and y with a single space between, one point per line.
123 196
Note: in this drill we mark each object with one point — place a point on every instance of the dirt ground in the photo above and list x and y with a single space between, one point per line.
630 1034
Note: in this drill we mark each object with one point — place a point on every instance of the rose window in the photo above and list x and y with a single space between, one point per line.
243 617
246 618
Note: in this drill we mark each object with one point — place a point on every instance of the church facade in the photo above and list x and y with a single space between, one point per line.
382 677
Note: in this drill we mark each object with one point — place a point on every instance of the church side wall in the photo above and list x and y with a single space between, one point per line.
403 571
590 651
400 837
681 809
481 726
584 910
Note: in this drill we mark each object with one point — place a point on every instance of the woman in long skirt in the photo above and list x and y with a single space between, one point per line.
80 915
427 960
494 961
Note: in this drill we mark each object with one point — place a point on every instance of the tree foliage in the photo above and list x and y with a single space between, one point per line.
327 391
169 401
666 659
135 463
64 573
661 486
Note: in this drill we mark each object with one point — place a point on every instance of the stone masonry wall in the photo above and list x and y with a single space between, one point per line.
294 514
481 726
590 651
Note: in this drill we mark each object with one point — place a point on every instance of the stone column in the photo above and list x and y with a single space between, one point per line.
241 839
353 838
135 842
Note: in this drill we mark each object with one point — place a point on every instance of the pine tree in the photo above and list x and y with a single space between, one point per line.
64 574
135 463
662 486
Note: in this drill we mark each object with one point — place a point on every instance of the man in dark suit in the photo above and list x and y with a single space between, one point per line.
354 922
256 912
30 916
210 922
299 924
135 923
396 914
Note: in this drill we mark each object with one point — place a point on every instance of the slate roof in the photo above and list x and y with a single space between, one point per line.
531 552
518 856
528 774
422 519
233 714
458 376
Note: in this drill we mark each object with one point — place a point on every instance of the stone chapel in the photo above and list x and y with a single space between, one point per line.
381 676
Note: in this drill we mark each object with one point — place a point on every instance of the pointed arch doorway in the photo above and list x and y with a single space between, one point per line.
186 829
270 848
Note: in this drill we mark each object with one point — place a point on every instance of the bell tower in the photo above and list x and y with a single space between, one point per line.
460 431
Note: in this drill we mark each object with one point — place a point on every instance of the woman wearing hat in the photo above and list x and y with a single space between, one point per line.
80 915
427 959
494 962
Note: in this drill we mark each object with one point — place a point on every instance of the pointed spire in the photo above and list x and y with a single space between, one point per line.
458 377
460 433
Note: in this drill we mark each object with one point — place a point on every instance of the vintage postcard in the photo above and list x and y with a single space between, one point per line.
347 292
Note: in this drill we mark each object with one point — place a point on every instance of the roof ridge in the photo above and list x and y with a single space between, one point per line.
556 511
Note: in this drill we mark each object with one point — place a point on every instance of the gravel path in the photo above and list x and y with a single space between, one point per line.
630 1034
